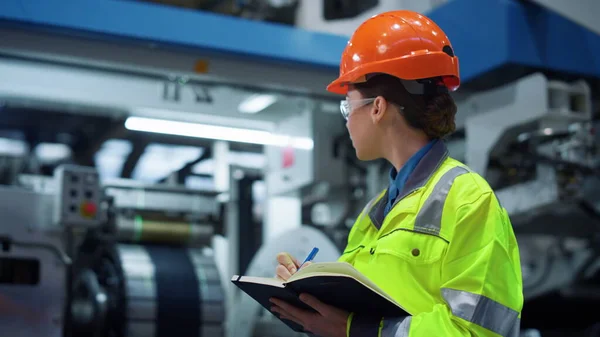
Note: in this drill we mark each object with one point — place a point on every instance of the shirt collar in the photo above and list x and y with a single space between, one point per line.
398 179
430 162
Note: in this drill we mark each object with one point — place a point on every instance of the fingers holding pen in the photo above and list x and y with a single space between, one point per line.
288 265
288 262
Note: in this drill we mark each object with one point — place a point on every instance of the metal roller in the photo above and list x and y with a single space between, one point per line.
171 291
147 230
147 291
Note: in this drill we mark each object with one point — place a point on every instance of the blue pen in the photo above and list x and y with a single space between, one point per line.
311 256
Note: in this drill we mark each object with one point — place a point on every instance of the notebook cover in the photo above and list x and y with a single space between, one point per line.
348 294
339 291
261 293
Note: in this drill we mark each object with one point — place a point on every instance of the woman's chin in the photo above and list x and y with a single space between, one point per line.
364 155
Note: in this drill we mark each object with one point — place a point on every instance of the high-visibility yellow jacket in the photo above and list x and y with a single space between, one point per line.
446 252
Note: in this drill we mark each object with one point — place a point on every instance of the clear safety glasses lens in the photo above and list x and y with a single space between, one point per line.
347 106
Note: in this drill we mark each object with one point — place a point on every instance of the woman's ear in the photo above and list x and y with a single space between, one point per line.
378 109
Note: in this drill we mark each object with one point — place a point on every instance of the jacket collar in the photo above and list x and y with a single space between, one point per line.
417 179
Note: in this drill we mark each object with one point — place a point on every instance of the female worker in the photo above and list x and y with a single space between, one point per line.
436 240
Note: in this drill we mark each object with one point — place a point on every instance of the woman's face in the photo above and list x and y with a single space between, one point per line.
361 127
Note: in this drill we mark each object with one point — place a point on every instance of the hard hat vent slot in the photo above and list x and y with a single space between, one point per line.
448 50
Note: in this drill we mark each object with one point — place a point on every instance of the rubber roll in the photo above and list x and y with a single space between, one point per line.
178 299
162 231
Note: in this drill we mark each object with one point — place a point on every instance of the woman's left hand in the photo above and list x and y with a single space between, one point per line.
328 321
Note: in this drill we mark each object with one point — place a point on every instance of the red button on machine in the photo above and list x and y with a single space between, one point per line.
88 209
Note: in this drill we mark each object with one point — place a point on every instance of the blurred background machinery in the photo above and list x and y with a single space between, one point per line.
212 142
81 259
535 141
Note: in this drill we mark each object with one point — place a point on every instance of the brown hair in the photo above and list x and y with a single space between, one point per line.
434 114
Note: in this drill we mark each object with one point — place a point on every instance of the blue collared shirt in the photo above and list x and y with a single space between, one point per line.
397 180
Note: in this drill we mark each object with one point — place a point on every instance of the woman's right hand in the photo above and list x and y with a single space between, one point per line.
288 266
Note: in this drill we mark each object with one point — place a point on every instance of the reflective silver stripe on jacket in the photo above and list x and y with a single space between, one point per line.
396 327
483 311
429 219
368 208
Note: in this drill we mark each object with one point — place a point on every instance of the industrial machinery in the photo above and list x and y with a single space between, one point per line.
535 141
539 152
80 258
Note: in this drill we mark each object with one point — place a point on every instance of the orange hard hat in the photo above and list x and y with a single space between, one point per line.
404 44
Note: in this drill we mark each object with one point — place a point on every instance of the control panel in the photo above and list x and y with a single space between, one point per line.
78 196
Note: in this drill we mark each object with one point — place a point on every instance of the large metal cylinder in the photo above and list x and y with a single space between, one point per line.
171 291
128 290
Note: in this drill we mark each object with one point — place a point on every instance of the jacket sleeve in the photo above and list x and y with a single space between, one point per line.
481 280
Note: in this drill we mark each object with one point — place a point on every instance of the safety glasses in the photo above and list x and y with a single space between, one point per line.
347 106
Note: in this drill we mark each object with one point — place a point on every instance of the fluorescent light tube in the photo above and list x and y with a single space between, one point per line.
256 103
216 132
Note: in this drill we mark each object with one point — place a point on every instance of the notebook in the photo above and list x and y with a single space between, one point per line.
335 283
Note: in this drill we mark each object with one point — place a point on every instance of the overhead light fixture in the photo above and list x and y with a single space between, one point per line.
256 103
216 132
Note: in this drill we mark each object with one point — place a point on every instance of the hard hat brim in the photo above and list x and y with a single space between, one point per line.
419 65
